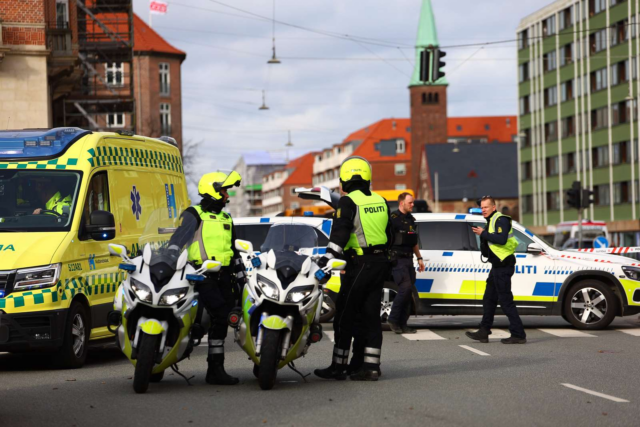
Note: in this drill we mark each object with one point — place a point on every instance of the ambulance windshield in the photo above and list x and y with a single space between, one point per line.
33 200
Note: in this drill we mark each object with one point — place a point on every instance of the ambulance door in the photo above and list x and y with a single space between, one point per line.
449 279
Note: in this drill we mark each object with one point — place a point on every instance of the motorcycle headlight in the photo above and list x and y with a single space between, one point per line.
268 288
142 291
37 278
632 273
172 296
299 293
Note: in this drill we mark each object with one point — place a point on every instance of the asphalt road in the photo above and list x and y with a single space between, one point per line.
427 380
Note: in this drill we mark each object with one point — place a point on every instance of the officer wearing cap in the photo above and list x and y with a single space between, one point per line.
499 245
405 245
214 240
359 235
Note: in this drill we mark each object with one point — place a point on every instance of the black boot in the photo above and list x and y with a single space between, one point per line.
368 372
333 372
394 327
513 340
481 335
216 375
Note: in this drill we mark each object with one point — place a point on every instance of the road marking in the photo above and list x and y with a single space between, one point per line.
567 333
496 334
595 393
423 335
481 353
634 332
330 334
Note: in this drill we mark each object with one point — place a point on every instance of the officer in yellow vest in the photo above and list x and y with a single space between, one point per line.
359 235
52 199
498 244
214 240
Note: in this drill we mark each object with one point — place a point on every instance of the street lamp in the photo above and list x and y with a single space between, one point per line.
264 104
274 59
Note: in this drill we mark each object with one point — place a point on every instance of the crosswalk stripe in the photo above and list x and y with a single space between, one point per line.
567 333
476 351
496 334
634 332
423 335
330 334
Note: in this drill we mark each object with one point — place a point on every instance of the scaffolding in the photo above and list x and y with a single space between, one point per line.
105 93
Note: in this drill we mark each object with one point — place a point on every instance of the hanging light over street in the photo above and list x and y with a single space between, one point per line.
274 59
264 104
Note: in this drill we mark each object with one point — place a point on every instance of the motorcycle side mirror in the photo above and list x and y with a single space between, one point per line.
182 261
337 264
210 266
244 246
117 250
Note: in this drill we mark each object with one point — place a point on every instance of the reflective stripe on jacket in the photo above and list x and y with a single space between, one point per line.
370 222
509 248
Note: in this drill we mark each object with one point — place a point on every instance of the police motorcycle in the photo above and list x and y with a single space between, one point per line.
281 302
156 317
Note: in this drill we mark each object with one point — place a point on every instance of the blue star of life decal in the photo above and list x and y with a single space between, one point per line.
136 208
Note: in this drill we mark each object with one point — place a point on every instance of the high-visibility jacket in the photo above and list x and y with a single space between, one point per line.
57 202
509 248
370 222
213 238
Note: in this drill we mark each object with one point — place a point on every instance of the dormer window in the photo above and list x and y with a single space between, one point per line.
400 146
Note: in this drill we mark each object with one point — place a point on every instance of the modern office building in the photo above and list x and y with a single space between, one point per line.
578 88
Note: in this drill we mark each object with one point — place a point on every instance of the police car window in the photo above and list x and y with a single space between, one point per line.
448 236
523 241
37 200
255 233
322 239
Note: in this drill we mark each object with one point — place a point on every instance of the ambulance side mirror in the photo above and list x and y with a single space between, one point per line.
102 226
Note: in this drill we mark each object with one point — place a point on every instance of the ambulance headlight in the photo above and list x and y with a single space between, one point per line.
172 296
632 273
268 288
142 291
37 278
298 294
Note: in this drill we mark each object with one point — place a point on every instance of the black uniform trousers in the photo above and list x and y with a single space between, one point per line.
404 275
358 310
499 291
218 293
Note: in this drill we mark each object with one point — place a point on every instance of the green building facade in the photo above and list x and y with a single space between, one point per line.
578 87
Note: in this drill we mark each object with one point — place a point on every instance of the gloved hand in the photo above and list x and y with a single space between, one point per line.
322 262
323 276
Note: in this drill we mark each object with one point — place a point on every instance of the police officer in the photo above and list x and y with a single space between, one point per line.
359 235
214 240
499 245
405 245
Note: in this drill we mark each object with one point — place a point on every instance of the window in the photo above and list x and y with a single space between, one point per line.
400 169
601 195
553 201
164 78
447 236
599 118
97 200
526 171
527 204
600 156
551 131
549 26
62 14
566 91
550 96
597 6
523 39
400 146
401 186
569 163
550 61
566 56
523 241
165 119
552 164
598 41
523 72
115 120
615 74
565 18
599 79
115 73
567 127
524 105
256 234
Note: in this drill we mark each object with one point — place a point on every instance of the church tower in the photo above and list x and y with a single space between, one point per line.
428 98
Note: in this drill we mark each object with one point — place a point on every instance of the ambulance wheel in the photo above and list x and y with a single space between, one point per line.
328 309
73 352
145 361
590 305
156 378
269 358
389 292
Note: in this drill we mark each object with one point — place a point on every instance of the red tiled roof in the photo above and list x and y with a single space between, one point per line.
303 170
496 128
384 129
145 39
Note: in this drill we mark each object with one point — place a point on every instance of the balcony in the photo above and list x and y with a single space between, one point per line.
59 39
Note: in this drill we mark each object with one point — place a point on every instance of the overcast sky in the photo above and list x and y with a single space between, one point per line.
327 87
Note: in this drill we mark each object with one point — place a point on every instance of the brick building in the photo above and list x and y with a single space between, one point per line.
68 63
278 186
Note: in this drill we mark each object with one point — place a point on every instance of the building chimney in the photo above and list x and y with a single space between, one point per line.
393 125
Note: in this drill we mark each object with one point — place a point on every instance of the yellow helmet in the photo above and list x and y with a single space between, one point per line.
212 183
355 169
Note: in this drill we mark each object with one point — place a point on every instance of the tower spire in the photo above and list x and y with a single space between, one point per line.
427 37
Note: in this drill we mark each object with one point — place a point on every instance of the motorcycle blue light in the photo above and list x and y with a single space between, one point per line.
194 303
256 262
127 267
320 275
195 278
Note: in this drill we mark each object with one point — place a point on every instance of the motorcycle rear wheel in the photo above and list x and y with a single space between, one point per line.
269 359
145 361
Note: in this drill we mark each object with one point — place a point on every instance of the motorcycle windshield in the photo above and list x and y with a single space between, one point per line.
286 240
166 236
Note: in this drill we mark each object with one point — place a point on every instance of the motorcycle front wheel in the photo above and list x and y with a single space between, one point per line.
269 358
145 362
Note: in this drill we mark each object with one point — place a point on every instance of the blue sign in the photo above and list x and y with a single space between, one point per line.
601 242
136 208
171 200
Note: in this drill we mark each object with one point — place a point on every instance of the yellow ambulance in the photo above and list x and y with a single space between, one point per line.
65 193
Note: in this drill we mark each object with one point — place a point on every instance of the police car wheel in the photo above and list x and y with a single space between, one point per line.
590 305
73 352
389 292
